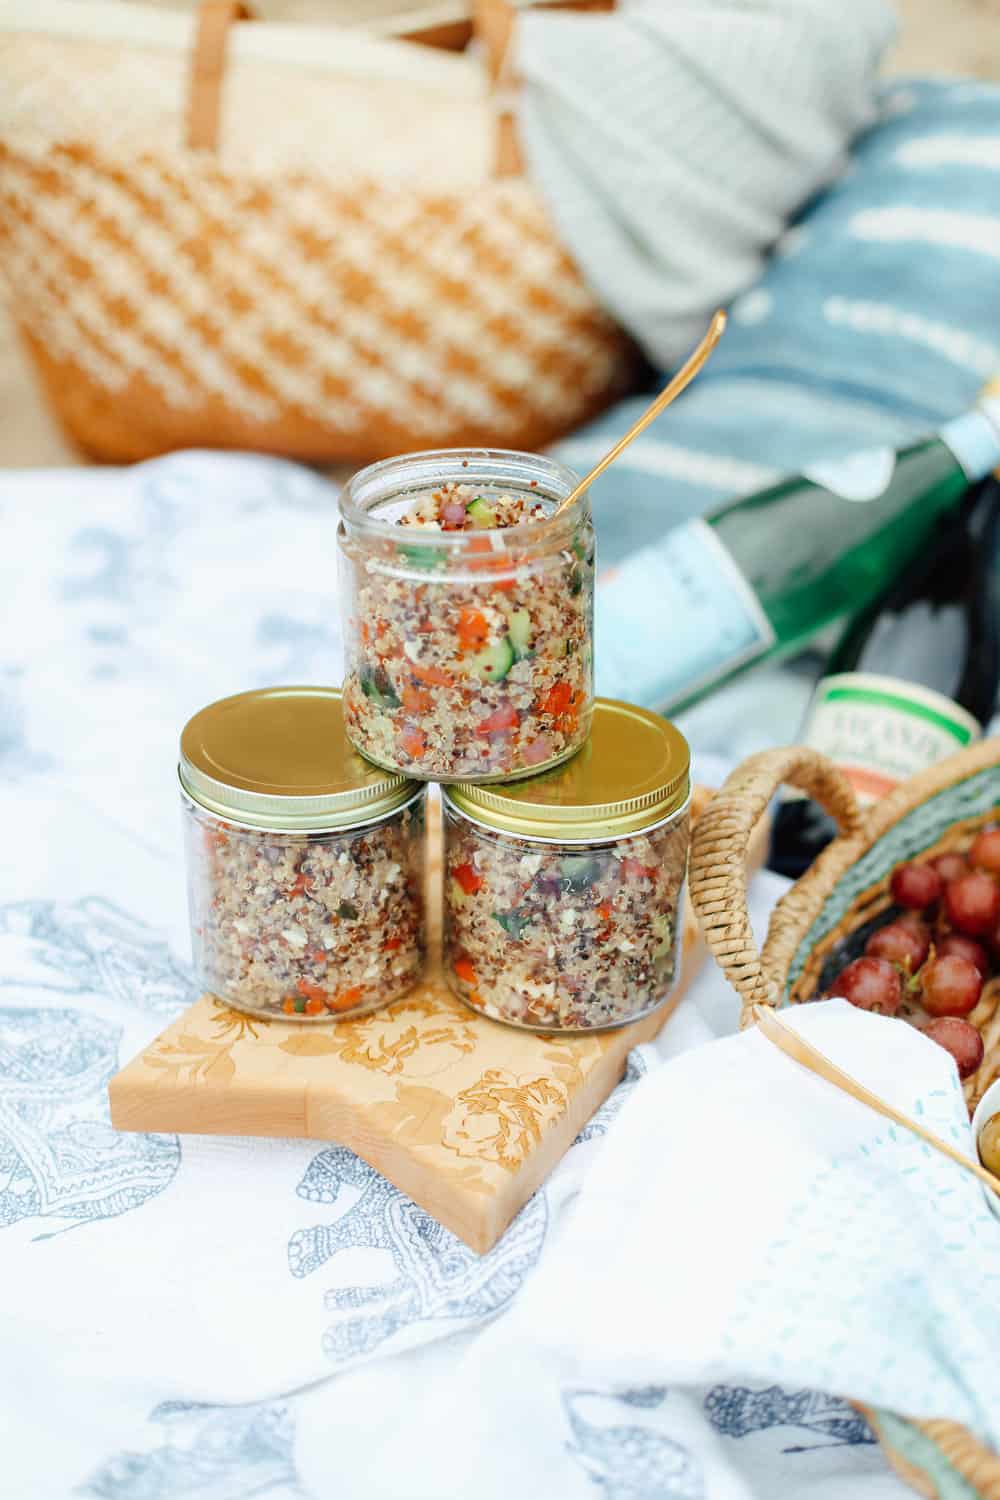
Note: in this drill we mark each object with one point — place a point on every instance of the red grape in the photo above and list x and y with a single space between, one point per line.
985 851
915 885
950 866
972 903
901 943
965 947
870 984
960 1039
912 919
950 986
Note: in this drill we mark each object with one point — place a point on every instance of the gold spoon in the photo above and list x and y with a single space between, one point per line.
680 382
807 1056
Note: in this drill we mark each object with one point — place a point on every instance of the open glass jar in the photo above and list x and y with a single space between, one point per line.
563 893
468 614
305 863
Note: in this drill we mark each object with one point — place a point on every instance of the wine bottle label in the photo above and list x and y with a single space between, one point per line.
675 618
880 730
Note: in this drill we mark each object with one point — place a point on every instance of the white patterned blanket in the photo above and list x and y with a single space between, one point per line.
208 1319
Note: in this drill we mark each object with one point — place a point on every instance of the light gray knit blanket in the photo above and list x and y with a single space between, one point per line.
672 139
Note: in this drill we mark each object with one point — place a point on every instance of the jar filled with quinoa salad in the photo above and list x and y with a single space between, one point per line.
468 614
563 893
305 863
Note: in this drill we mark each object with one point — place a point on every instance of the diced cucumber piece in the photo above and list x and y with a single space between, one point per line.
494 662
376 686
479 511
427 558
512 922
519 633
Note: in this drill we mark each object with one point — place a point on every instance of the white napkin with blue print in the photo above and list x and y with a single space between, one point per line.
197 1318
747 1235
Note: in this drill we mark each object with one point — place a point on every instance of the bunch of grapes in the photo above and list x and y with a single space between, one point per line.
939 950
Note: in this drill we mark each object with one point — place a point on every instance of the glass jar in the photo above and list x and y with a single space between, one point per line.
305 863
563 893
468 652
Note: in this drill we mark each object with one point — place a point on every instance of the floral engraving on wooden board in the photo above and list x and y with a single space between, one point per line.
416 1036
502 1116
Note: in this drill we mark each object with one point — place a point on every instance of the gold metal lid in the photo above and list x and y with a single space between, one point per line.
278 758
634 771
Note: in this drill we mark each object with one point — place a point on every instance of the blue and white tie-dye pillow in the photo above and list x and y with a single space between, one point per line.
878 318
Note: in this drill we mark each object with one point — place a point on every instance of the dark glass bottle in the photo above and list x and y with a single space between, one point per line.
912 680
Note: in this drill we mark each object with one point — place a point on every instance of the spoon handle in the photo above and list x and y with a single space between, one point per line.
680 381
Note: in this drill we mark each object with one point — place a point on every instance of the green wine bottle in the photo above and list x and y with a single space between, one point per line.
757 578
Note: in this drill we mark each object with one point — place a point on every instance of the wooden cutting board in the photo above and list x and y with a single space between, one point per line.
464 1115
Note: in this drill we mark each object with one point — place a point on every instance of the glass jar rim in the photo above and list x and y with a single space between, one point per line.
392 477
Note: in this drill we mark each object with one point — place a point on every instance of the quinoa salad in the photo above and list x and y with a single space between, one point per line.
472 661
313 927
562 936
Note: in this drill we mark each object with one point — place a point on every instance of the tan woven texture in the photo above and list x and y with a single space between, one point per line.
341 280
717 882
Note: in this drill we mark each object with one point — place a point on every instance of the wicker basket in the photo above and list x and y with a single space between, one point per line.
940 809
287 238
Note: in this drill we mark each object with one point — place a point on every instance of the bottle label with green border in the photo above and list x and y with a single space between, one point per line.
880 730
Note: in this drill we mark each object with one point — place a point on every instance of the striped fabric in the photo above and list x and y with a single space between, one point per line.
878 317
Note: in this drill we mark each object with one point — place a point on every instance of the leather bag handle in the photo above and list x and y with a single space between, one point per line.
208 67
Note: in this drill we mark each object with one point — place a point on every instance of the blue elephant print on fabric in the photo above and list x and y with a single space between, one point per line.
91 947
600 1123
207 1453
630 1461
59 1156
436 1275
736 1411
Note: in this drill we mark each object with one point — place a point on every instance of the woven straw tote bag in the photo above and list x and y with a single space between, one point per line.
940 810
287 238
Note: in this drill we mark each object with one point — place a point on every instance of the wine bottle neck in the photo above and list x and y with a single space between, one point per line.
974 439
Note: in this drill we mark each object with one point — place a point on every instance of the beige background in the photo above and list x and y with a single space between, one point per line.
937 36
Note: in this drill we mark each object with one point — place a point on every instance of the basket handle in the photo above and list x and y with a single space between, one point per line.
717 875
208 66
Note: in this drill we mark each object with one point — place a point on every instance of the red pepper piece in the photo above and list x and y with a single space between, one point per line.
469 879
500 720
431 676
473 629
465 969
412 741
558 700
